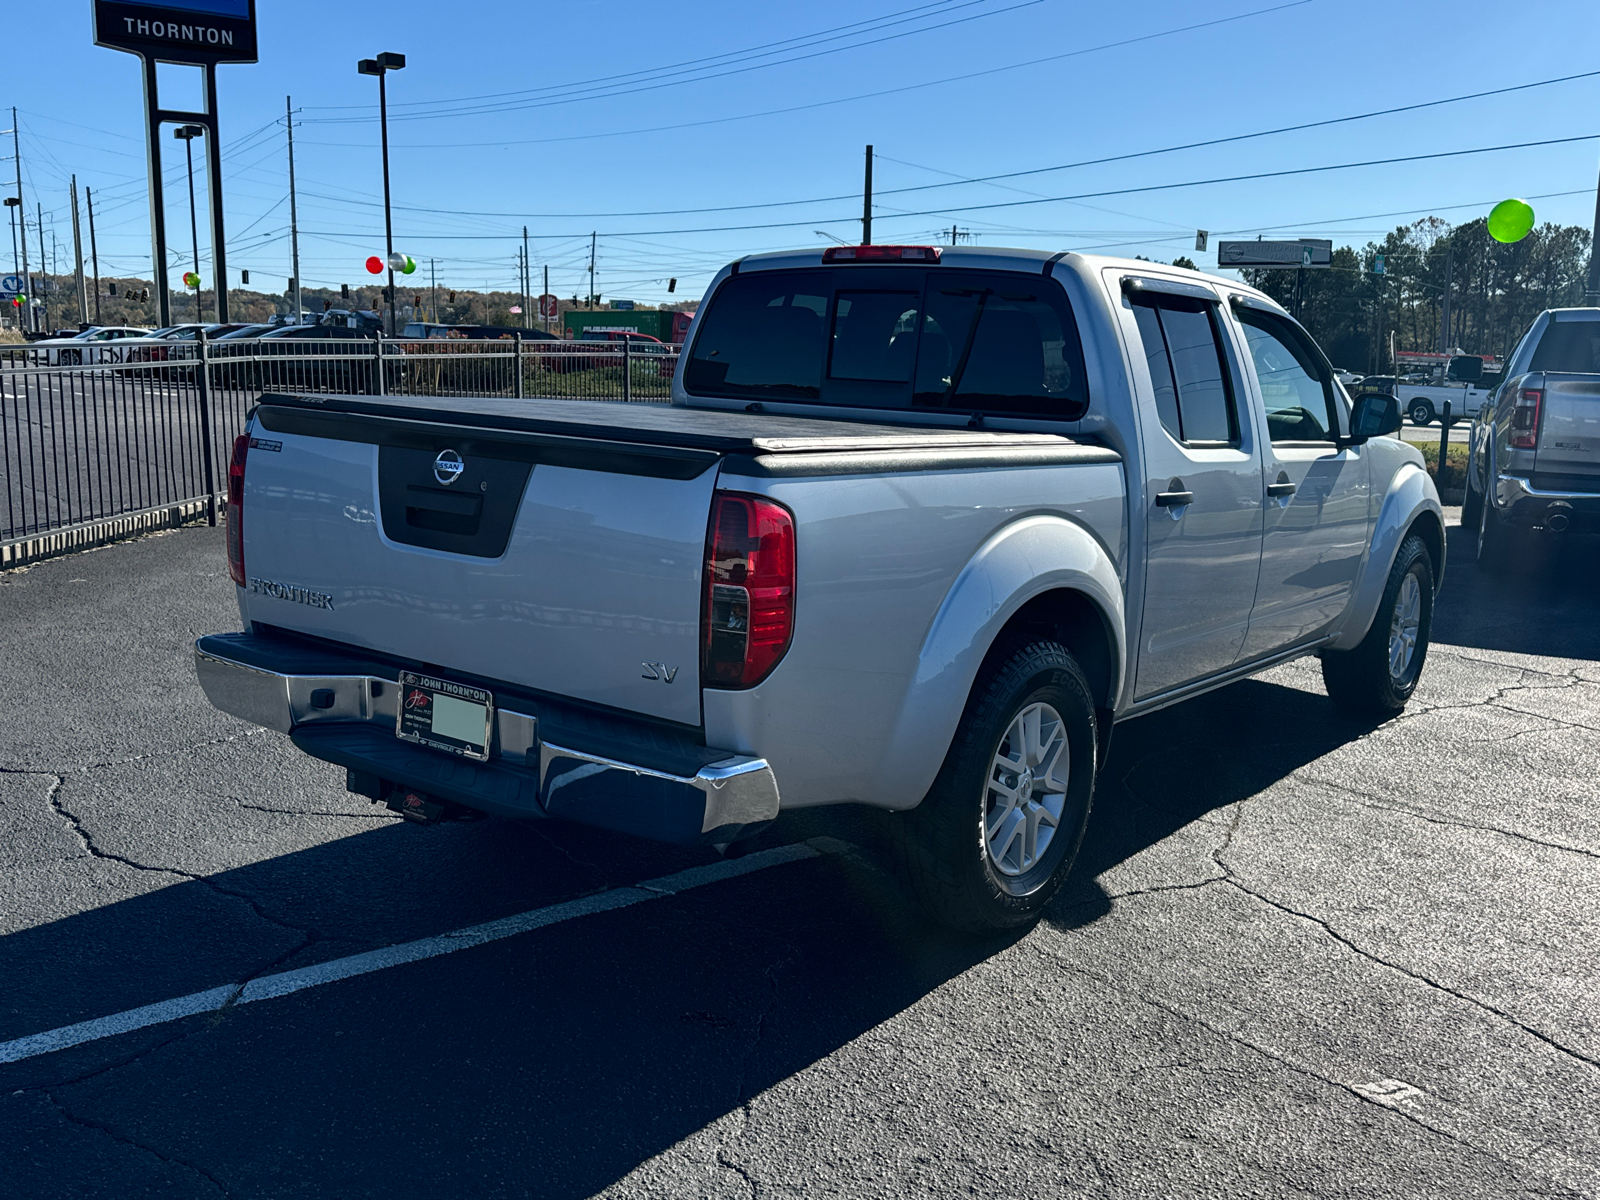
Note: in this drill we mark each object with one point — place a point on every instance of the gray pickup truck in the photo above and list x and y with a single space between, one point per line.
917 528
1533 471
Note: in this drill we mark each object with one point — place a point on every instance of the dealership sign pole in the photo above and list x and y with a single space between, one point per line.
198 33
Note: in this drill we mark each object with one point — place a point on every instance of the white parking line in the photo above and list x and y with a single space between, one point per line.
268 987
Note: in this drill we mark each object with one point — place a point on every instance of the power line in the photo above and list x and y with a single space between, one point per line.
1032 62
634 75
1129 191
596 94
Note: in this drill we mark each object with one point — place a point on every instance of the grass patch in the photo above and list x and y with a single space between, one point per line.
1455 465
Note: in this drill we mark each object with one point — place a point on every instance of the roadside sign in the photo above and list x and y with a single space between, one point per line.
1285 255
549 306
622 306
179 31
11 283
1378 264
1200 237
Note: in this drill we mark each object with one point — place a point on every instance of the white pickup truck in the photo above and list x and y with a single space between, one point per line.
916 530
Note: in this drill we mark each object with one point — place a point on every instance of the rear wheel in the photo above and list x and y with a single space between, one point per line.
1497 543
1420 412
1471 501
1378 676
1000 828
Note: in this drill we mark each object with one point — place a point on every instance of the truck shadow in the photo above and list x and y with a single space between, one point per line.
1547 606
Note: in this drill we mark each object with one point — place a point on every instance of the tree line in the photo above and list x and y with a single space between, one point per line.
1495 290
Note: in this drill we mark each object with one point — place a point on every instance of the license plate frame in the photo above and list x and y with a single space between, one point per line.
446 727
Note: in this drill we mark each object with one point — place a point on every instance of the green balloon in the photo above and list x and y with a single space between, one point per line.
1510 220
411 265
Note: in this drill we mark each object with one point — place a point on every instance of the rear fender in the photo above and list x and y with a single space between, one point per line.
1411 497
1024 560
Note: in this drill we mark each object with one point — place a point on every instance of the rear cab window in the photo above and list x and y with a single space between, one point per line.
902 337
1568 347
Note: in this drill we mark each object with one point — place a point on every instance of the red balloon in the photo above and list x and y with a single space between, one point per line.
375 265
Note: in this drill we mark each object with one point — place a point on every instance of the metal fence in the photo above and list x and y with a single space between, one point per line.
111 431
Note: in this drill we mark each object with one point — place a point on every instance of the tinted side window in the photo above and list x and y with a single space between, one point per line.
1000 344
1295 388
762 338
1194 392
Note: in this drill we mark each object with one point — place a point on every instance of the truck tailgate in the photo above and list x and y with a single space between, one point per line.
557 564
1569 431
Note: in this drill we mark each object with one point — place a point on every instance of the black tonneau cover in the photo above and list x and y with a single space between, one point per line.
668 426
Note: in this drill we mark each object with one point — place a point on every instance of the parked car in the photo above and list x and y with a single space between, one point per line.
641 344
1533 467
322 358
917 529
97 344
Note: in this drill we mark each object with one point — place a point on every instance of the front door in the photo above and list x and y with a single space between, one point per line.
1318 495
1202 495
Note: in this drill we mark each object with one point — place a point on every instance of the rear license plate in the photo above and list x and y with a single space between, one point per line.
445 716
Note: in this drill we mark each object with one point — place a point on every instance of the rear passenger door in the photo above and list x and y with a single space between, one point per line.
1317 494
1201 491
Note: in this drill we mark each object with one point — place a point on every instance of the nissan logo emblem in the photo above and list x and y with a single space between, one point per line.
448 466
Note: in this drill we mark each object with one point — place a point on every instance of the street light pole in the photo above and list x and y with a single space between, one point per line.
380 67
186 134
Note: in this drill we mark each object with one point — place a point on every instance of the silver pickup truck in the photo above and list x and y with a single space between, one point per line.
1533 470
916 530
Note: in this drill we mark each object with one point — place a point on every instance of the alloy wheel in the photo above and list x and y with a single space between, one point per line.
1027 790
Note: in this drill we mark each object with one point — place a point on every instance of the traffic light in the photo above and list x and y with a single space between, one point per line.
244 277
452 297
672 285
144 295
113 289
344 291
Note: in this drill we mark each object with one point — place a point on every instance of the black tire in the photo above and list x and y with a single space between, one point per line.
1362 681
1498 546
941 846
1420 412
1471 503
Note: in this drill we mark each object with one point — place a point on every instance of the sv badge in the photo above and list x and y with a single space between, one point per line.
655 670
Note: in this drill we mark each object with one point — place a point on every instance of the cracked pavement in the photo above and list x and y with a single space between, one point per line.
1300 955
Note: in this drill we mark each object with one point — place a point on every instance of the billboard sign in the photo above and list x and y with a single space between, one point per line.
1302 252
178 31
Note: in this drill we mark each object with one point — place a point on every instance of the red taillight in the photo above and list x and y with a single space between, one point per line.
879 254
1525 419
748 618
241 447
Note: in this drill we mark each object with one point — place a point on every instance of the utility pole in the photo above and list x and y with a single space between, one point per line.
94 254
527 280
546 292
1591 291
77 257
22 216
294 216
591 269
866 204
433 299
44 264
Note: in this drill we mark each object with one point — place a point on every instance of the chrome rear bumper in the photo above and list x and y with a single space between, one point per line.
349 719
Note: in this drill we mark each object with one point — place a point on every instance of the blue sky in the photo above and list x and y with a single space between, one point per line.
497 122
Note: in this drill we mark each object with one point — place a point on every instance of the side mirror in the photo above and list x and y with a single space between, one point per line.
1465 368
1373 415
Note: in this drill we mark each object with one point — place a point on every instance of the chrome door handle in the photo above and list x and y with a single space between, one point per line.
1280 489
1173 499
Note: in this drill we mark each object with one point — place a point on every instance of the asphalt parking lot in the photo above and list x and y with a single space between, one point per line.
1300 956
